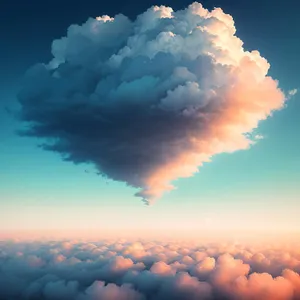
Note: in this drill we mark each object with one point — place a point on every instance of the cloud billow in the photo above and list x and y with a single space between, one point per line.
141 270
150 100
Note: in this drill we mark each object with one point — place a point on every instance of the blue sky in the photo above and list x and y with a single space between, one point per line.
261 182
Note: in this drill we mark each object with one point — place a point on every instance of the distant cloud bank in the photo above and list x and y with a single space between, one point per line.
150 100
126 270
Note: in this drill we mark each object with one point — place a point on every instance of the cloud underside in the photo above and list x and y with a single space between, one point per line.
150 100
126 270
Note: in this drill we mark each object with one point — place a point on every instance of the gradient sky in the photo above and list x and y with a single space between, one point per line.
253 189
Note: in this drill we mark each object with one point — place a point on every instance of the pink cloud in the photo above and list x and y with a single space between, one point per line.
47 271
190 88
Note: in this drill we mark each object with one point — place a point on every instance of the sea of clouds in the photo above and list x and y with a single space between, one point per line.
149 270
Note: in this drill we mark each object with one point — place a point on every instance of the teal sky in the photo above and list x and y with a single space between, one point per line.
257 188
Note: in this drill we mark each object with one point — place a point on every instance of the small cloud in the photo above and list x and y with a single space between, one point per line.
259 137
293 92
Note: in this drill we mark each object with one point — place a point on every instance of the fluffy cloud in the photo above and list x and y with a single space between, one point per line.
84 271
98 290
150 100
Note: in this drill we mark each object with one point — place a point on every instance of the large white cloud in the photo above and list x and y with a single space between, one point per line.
150 100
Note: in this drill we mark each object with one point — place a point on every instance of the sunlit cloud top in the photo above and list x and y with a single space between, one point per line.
150 100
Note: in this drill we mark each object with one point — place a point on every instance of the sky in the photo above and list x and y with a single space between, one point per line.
254 189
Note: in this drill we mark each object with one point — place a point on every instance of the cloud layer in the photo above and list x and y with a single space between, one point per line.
148 270
150 100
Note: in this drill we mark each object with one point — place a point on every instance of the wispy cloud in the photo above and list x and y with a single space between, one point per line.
293 92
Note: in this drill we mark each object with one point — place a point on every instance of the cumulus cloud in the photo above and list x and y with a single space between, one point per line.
150 100
98 290
87 271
